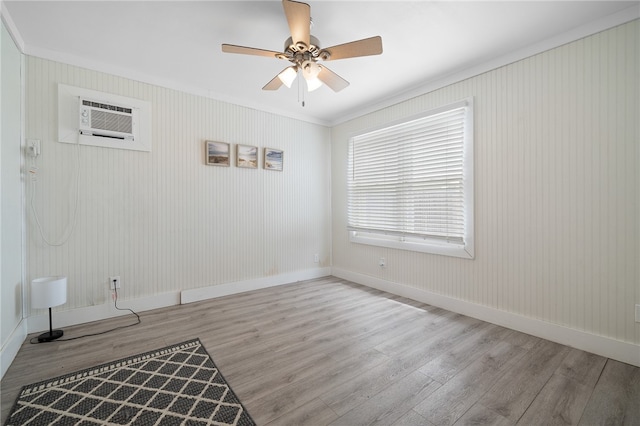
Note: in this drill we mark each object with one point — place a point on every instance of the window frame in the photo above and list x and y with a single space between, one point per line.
465 249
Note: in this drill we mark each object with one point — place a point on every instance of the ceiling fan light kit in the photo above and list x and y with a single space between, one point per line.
303 51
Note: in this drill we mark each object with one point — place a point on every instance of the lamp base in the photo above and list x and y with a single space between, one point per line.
49 336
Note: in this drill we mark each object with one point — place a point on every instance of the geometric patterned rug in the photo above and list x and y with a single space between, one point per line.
177 385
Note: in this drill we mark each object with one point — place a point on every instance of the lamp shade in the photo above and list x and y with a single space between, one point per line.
313 84
310 71
48 291
288 75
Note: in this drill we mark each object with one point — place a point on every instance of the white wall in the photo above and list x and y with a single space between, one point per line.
557 193
164 221
557 199
11 211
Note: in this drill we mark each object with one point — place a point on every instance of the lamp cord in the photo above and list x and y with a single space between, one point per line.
115 304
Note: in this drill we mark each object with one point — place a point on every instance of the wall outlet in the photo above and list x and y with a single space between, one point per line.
382 262
637 313
114 282
316 258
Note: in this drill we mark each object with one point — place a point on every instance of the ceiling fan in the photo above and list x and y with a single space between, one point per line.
303 51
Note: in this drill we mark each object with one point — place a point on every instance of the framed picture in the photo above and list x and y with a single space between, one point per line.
273 159
217 153
247 156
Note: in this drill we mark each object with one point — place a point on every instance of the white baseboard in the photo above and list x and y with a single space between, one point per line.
99 312
204 293
87 314
107 310
40 323
621 351
12 346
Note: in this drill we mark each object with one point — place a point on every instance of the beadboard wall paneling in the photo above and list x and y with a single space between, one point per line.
164 221
557 190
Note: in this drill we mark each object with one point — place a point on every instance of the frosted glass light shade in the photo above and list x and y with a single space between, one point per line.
310 71
48 292
288 75
313 84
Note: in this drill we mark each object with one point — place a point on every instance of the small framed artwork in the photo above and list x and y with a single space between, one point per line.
247 156
217 153
273 159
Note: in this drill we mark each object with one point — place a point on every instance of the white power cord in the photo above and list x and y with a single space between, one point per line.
34 179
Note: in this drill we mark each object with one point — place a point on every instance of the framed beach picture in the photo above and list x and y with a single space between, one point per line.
247 156
273 159
217 153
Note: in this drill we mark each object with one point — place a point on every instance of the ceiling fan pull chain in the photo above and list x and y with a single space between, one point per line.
300 90
303 93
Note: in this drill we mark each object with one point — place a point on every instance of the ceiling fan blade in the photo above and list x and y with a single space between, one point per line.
364 47
231 48
331 79
274 84
299 19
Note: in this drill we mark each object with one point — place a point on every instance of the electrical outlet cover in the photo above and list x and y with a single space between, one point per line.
114 282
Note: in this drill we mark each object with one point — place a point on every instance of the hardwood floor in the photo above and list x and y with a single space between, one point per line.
331 352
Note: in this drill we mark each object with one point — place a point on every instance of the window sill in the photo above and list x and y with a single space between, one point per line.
464 251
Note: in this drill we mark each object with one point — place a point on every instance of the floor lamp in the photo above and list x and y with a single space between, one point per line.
48 292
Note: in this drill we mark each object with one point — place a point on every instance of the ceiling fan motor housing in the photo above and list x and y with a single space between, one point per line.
313 48
299 53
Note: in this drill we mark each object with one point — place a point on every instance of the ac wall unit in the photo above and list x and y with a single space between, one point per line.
107 120
89 117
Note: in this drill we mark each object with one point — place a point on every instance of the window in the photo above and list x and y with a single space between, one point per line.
410 183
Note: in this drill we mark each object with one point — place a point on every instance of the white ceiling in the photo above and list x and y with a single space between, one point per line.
177 43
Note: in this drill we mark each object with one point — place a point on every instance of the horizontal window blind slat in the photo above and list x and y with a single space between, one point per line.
400 140
440 236
434 121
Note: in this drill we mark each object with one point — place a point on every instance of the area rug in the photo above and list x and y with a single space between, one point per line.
176 385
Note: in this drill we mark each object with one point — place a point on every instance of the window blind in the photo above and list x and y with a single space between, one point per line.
407 179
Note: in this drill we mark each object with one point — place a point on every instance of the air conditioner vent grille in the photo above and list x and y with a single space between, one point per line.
114 122
106 106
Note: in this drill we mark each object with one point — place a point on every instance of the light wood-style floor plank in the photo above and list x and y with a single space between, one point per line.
459 394
481 415
564 397
616 397
314 412
447 365
515 390
412 418
329 351
385 407
560 402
